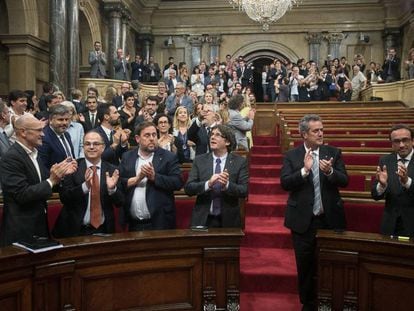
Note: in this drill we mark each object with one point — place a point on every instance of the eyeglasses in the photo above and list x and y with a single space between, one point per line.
93 143
405 140
215 134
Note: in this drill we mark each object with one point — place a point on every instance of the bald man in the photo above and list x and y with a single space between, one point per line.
27 184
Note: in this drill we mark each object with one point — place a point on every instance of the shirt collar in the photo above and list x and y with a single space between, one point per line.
408 158
223 158
28 151
313 151
147 158
89 164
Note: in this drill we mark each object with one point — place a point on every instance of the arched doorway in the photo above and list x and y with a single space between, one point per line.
258 60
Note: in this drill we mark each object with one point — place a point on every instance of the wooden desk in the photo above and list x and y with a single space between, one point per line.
364 271
158 270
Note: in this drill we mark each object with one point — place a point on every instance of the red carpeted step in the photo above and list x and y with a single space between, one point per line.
265 140
258 170
266 159
265 149
266 205
266 232
258 301
268 186
267 270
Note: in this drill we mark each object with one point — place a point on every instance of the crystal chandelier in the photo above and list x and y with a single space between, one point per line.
264 11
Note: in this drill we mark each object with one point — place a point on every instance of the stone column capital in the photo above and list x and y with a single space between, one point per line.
314 37
214 39
195 40
335 37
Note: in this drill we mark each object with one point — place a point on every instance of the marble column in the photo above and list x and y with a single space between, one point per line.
214 47
314 39
195 43
114 10
73 44
146 40
392 39
58 43
125 30
334 43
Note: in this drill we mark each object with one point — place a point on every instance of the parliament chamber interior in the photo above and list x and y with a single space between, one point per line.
350 62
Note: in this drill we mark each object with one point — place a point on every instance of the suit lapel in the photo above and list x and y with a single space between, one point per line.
56 141
157 159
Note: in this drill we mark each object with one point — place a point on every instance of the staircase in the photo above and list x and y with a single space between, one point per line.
267 262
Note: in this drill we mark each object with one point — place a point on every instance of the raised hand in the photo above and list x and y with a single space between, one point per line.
382 175
111 181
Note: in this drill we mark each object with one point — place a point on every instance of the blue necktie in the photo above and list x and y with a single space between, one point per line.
317 203
216 191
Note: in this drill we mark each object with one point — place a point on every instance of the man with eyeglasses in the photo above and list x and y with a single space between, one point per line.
179 98
88 195
150 176
394 182
27 184
148 112
219 179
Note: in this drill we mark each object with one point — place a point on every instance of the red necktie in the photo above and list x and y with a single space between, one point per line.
95 203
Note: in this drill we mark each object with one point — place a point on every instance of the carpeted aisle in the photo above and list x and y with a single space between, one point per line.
267 263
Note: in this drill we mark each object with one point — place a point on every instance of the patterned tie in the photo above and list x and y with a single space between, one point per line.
317 203
216 191
95 202
65 144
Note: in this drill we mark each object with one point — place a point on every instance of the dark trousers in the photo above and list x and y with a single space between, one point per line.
140 225
304 245
214 221
89 230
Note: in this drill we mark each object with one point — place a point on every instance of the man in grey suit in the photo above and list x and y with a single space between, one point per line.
219 179
240 124
97 60
4 139
394 182
121 66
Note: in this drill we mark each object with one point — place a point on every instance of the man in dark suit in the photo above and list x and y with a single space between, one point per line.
89 119
97 60
150 176
391 67
219 179
394 182
312 174
245 74
76 217
116 141
121 66
199 130
118 100
27 184
57 144
5 142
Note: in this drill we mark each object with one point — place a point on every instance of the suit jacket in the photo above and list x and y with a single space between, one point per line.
24 195
98 64
201 171
398 200
246 76
157 72
110 155
240 125
5 145
121 67
395 69
52 150
299 210
170 104
137 71
87 124
198 135
75 202
160 193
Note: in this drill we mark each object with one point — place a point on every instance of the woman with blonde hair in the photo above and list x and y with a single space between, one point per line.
110 93
61 97
181 123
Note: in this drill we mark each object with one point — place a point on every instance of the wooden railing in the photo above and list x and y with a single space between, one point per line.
401 90
154 270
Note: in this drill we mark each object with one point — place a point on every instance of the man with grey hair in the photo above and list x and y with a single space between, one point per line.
179 98
57 144
312 173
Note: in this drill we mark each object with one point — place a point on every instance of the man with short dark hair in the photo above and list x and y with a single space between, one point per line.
218 193
89 194
394 183
89 119
50 100
148 111
391 66
97 60
312 173
116 142
57 144
150 176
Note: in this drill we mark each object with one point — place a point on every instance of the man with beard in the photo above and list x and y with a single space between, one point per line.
116 141
97 60
394 182
150 176
57 144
